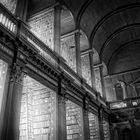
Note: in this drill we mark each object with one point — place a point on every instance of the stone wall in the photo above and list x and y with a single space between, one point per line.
37 111
10 5
42 25
68 51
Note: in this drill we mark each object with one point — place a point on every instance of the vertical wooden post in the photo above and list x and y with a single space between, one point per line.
13 104
60 112
101 131
61 118
86 121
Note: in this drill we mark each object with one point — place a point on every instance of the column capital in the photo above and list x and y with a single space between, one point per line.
61 99
58 6
86 103
17 73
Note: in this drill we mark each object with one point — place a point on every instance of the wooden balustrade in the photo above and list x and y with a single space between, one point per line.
8 20
130 102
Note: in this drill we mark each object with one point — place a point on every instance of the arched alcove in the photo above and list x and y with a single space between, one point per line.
67 21
84 42
96 58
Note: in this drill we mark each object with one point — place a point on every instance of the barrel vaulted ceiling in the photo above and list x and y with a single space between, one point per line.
110 25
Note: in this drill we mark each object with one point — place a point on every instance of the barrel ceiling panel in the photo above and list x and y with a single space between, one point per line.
103 18
74 6
121 39
108 24
126 58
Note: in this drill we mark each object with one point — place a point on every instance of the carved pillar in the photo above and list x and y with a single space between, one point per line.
61 112
3 97
21 9
61 118
114 132
86 121
78 55
92 69
101 131
13 103
57 28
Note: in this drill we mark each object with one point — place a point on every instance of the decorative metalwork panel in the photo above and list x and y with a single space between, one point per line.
106 130
3 72
68 51
73 121
9 4
37 111
42 26
86 71
93 126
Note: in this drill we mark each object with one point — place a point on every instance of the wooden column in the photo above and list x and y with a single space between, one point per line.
61 118
57 28
60 112
86 121
101 131
13 104
3 103
21 9
78 55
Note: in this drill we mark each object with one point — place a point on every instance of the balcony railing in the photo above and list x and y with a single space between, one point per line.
17 28
127 103
7 20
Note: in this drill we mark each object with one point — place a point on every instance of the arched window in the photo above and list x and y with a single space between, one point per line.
120 89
